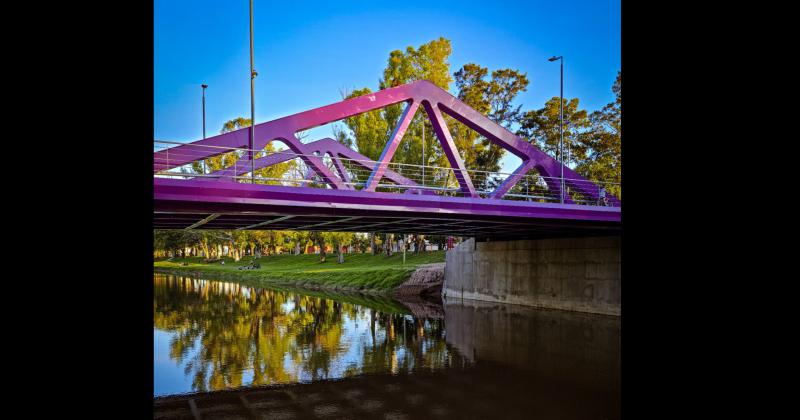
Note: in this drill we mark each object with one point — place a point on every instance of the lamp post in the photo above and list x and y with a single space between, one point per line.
204 86
561 124
253 75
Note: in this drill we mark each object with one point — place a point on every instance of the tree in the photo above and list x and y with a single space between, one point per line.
541 127
492 98
319 239
388 244
360 242
603 143
370 131
168 240
299 239
339 239
591 142
372 245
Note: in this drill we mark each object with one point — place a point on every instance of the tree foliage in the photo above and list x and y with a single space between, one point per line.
603 143
493 98
541 127
591 141
370 131
492 95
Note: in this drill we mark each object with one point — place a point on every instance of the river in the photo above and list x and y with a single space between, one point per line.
461 359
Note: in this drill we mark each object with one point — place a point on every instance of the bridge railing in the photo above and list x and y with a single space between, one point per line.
292 169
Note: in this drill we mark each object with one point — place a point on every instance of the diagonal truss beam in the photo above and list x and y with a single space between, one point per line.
341 169
403 220
204 221
391 146
323 146
315 225
268 222
450 150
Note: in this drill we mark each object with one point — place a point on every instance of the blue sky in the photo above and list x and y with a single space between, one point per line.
307 52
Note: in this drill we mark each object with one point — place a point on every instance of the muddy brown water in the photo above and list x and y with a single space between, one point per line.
222 350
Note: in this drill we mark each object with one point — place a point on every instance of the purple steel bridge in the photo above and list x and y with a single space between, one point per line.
330 187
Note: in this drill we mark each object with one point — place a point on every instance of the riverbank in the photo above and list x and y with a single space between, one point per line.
360 272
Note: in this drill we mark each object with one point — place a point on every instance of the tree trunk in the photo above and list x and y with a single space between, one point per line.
321 243
388 243
339 253
372 243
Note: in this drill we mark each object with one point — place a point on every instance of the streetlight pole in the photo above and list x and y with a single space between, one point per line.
561 124
204 86
253 75
423 152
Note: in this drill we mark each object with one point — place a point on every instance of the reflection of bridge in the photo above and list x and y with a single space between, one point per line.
338 189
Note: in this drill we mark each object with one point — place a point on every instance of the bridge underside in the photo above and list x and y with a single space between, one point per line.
201 204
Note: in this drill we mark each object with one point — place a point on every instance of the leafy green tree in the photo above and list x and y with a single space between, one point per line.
603 143
339 239
493 98
370 131
318 238
298 241
541 127
239 239
168 240
361 242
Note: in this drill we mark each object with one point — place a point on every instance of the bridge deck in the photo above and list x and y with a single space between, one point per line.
201 204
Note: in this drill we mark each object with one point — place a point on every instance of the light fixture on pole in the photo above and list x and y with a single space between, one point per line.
561 124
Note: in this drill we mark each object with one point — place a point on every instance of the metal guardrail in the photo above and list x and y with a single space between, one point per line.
355 172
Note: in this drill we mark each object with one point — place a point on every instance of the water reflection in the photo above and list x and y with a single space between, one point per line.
215 335
388 358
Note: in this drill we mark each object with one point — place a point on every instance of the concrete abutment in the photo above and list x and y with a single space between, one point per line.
574 274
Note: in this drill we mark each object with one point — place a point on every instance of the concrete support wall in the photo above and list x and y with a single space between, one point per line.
575 274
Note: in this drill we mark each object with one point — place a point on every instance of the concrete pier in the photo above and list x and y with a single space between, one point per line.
574 274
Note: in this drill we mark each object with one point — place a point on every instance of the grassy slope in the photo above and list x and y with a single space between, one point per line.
359 271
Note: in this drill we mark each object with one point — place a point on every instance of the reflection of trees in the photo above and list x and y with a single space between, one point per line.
221 330
408 344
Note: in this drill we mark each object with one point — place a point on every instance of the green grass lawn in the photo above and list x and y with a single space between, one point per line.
358 272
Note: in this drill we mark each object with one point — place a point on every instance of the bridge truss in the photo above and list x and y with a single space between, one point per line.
332 187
